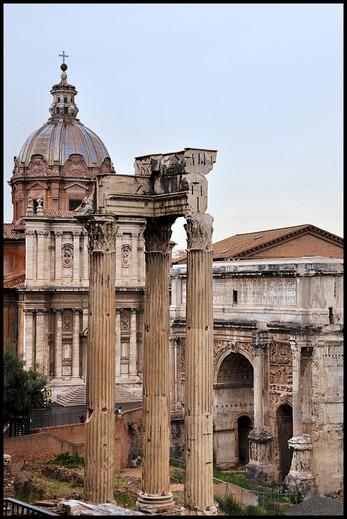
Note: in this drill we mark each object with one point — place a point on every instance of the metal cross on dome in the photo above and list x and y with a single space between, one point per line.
63 56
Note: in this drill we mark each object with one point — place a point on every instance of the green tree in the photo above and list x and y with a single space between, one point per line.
22 389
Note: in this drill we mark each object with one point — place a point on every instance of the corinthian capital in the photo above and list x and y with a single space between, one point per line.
102 234
158 233
199 231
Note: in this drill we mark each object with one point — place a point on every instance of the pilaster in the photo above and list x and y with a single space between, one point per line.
76 257
28 337
76 343
58 344
58 261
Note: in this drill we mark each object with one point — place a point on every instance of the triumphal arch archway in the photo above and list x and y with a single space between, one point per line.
164 187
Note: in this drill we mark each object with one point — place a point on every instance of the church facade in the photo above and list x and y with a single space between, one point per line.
46 253
278 317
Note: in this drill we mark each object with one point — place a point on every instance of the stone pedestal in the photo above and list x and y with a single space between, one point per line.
198 420
259 469
156 496
300 477
100 423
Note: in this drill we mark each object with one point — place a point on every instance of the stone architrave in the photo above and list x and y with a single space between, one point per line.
259 469
300 477
198 419
156 496
100 423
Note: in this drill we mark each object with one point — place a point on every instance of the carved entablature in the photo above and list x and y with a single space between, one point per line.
37 167
157 234
199 231
281 372
75 166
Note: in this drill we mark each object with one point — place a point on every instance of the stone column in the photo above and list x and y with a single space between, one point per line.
118 344
58 260
133 345
76 257
58 344
300 477
100 423
259 469
76 343
156 496
28 338
198 420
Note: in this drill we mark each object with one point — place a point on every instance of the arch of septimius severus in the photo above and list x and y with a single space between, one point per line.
164 187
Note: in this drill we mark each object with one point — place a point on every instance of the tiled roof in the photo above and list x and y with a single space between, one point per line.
59 212
241 245
9 232
15 280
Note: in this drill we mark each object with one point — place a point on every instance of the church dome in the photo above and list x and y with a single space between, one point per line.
64 134
58 139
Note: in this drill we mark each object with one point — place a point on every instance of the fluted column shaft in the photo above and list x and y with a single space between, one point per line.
98 485
198 422
58 343
156 495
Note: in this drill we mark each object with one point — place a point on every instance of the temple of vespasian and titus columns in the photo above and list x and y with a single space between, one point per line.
164 187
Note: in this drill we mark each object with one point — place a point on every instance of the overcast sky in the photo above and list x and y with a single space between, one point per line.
262 84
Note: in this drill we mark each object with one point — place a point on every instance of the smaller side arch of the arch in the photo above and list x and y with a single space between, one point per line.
221 356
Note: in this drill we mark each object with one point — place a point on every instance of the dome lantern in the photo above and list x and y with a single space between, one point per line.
63 105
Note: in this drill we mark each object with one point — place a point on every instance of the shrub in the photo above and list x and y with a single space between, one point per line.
230 505
177 477
65 459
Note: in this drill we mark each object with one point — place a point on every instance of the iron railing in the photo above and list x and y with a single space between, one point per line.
13 507
275 500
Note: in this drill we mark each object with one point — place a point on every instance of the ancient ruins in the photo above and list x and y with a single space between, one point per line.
164 187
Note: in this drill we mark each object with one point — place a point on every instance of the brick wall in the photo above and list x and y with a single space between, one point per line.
46 442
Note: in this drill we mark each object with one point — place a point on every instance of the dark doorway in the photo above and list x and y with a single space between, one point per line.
244 426
285 432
